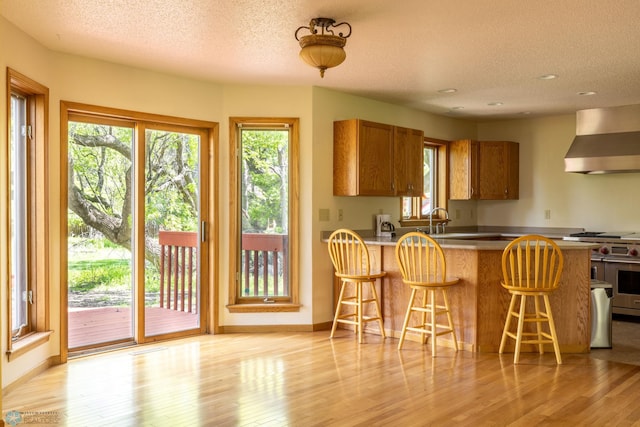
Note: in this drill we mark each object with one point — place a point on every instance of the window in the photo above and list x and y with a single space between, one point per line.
435 179
264 182
27 200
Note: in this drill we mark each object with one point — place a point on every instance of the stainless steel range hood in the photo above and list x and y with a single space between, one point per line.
607 141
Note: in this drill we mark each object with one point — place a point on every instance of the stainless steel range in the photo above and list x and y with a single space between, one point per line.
616 260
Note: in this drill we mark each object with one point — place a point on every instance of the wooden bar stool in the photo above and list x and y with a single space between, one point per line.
531 267
423 267
350 258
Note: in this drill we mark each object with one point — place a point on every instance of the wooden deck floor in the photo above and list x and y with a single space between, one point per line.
89 326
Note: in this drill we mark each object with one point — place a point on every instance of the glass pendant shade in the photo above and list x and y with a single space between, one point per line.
322 51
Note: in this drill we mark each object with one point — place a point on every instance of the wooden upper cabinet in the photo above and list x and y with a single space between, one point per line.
484 170
498 170
374 159
463 169
362 158
408 162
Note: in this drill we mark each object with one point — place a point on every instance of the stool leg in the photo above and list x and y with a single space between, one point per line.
423 314
449 318
338 306
378 310
523 303
407 317
536 304
507 323
360 325
552 328
434 331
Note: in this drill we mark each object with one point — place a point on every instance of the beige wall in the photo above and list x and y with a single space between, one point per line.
596 202
21 54
268 101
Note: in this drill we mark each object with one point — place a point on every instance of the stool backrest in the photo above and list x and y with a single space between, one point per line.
349 254
532 263
421 259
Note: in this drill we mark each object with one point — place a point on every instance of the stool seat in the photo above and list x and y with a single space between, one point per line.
352 264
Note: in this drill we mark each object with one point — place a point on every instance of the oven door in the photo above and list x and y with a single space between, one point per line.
624 275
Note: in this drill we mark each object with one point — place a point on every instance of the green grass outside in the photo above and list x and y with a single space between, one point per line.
97 265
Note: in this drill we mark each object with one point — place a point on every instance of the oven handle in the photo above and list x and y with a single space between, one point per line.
622 261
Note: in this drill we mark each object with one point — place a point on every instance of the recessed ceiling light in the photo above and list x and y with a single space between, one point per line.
588 93
448 90
548 77
457 108
495 104
524 113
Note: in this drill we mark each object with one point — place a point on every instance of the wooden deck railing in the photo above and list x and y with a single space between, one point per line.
264 268
264 261
178 270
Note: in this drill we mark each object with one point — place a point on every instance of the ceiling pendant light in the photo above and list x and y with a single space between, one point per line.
322 48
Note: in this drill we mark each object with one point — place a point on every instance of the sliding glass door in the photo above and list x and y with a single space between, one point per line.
136 230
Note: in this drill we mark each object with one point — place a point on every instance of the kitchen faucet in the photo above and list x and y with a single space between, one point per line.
434 210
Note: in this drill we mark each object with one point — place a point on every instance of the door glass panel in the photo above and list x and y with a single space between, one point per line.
99 223
172 194
265 214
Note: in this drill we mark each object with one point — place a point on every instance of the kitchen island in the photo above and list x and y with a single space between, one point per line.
479 303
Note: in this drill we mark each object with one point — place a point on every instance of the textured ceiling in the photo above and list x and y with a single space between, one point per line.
399 51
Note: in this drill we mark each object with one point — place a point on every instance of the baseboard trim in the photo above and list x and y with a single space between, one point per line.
49 362
235 329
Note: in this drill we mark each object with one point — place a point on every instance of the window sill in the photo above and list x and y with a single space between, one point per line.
263 308
28 343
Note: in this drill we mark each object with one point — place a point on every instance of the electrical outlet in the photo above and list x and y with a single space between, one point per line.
340 215
547 214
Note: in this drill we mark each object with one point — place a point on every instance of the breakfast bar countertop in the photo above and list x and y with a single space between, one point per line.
474 241
481 241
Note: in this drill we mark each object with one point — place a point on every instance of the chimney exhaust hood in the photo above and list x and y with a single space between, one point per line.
607 141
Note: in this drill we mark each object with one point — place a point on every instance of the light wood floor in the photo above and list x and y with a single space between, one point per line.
306 379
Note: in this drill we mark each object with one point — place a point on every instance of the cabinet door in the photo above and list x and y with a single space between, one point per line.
498 170
375 159
408 162
362 158
463 169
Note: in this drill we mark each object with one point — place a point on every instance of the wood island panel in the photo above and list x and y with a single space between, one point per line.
479 303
